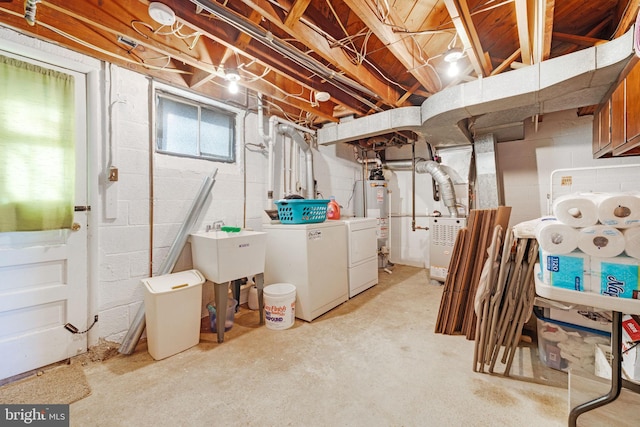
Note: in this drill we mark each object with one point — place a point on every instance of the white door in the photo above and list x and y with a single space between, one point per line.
43 276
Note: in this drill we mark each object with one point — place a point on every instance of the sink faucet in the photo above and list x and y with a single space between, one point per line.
216 226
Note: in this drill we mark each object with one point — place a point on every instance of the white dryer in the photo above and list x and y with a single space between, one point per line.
362 254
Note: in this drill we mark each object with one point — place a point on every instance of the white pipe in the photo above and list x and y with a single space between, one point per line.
288 129
268 141
360 160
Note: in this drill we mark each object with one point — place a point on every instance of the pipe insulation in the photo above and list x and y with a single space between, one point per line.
137 326
295 136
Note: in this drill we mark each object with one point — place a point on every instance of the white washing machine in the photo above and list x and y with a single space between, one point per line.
312 257
362 250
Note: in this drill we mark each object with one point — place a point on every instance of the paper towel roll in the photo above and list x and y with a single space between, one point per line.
577 210
632 242
555 237
601 241
619 210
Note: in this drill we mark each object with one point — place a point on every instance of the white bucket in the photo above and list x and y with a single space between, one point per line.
279 305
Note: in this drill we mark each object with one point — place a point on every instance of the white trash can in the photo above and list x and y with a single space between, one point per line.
173 303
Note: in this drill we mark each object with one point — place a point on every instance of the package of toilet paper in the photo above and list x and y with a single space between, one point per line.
568 271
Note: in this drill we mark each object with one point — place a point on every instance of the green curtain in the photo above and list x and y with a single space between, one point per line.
37 147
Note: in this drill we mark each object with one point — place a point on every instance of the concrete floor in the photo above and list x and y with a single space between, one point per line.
373 361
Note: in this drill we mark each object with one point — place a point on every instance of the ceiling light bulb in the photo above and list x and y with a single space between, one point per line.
233 86
161 13
453 69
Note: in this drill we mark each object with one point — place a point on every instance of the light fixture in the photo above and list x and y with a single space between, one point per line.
322 96
161 13
452 56
232 77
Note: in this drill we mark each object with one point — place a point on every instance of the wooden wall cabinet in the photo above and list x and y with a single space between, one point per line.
632 104
602 130
616 123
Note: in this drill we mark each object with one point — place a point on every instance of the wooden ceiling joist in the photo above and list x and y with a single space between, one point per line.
542 50
333 55
525 16
296 11
364 9
577 40
461 17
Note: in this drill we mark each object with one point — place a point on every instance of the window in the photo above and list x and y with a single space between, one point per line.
191 128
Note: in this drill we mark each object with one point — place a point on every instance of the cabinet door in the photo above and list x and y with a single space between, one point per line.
633 105
595 145
618 131
605 125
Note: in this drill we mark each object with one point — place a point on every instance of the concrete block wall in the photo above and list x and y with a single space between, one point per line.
125 241
561 140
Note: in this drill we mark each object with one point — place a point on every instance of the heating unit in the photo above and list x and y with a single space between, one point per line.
443 236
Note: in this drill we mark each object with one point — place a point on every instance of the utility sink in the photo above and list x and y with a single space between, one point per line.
223 256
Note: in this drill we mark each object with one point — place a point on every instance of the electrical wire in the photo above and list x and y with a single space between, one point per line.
94 47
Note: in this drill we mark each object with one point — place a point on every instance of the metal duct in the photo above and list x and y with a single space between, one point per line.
442 178
439 175
263 36
575 80
294 135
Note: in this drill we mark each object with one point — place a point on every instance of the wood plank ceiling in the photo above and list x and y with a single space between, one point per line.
367 55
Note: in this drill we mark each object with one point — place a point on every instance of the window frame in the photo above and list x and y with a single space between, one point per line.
198 101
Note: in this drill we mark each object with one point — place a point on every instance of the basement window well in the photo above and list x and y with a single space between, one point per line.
193 128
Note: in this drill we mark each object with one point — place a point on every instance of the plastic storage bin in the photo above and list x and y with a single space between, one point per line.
173 303
230 315
565 346
302 211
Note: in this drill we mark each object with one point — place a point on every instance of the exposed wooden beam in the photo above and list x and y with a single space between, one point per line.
577 40
628 17
506 63
197 72
242 40
407 94
461 17
296 11
333 55
525 21
400 47
542 48
199 77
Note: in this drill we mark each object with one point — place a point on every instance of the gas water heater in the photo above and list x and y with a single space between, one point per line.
371 200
